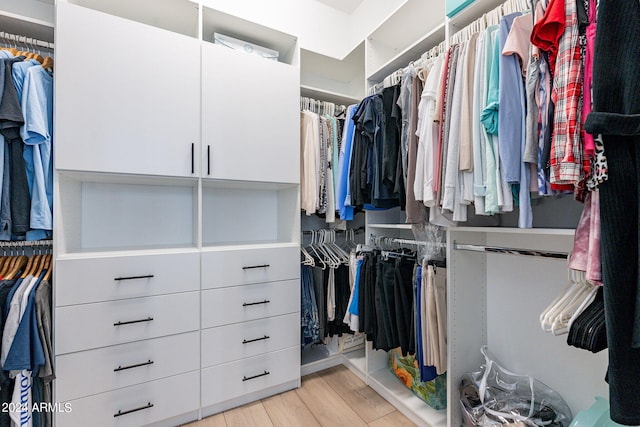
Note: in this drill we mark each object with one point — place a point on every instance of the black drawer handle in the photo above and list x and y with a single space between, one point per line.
124 368
256 266
142 408
193 160
148 319
208 160
266 337
246 304
146 276
256 376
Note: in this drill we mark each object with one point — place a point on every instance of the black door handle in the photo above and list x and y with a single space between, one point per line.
121 413
124 368
148 319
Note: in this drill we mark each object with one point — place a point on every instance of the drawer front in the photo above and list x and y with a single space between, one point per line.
231 380
240 340
169 396
81 281
104 369
87 326
234 267
241 303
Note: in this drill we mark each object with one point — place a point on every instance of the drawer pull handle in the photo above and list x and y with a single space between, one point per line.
266 337
208 160
256 376
246 304
142 408
148 319
256 266
146 276
124 368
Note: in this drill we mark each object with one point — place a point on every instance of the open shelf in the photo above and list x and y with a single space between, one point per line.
335 80
392 389
17 25
411 53
389 48
97 212
472 12
215 21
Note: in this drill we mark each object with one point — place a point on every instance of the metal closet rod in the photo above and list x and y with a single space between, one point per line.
26 243
509 251
407 241
355 230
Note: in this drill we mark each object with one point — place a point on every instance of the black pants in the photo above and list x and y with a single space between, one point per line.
403 292
619 198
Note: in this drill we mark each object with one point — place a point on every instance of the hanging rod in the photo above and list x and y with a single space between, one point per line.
355 230
510 251
8 38
375 239
26 243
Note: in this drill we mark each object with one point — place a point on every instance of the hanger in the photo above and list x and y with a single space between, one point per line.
20 264
49 267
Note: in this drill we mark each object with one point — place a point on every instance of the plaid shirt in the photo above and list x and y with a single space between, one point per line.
567 147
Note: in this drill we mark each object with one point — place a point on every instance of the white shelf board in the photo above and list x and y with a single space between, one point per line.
348 69
414 408
391 226
123 251
472 12
327 95
24 26
411 53
241 246
510 230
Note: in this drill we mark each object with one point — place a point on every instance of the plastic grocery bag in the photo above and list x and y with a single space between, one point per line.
494 396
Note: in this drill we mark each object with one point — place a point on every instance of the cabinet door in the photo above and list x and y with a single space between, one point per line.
127 95
250 117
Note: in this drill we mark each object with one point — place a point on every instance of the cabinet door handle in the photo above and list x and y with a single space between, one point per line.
256 376
246 304
266 337
146 276
148 319
256 266
193 160
208 160
142 408
124 368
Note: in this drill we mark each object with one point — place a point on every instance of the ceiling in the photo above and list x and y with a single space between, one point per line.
347 6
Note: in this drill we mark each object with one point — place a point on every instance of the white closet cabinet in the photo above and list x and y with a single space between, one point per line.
131 95
250 111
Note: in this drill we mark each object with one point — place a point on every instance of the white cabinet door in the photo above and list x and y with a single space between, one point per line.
250 117
127 96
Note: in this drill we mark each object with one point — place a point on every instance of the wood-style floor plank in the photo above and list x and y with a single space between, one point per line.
326 405
212 421
395 419
368 404
288 410
252 414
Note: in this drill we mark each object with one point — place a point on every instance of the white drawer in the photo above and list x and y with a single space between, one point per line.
80 281
87 326
232 267
169 396
240 340
231 380
241 303
97 371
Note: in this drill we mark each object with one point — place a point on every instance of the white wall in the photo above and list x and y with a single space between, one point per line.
369 15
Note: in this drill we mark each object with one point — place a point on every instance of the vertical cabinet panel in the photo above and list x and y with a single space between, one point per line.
127 96
250 117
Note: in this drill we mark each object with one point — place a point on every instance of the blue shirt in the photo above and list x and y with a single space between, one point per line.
37 107
343 195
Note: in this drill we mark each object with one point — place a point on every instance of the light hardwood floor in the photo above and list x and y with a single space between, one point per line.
331 398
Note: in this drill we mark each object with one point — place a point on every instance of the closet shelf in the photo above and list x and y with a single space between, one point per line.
411 53
245 246
472 12
118 252
327 95
390 388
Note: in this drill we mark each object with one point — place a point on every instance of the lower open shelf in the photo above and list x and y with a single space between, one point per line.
392 390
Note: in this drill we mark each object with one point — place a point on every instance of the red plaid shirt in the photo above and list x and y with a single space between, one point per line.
567 147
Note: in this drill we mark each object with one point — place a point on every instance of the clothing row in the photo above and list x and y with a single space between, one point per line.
26 352
321 139
399 302
26 168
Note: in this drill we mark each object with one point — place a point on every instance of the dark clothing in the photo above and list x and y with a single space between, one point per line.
403 294
616 116
620 233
